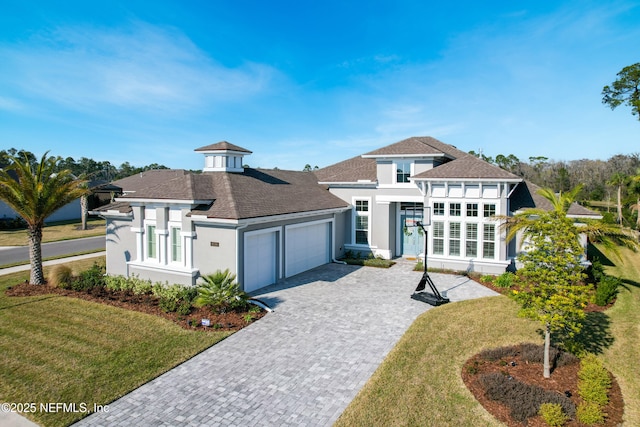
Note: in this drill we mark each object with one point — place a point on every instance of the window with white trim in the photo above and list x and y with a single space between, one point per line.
489 210
454 209
438 238
403 172
152 245
454 238
176 244
489 241
471 243
361 222
438 208
472 209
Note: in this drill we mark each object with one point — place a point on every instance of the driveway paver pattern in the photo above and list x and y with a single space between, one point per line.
299 365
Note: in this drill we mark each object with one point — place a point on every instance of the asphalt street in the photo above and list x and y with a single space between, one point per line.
15 254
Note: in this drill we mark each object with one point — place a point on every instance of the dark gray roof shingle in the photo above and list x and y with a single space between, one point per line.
223 145
467 167
251 194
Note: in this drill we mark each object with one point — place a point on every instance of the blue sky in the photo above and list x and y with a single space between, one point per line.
313 82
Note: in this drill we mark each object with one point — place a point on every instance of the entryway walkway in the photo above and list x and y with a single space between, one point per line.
300 365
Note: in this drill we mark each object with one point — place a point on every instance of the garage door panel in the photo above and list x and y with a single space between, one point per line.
260 261
307 247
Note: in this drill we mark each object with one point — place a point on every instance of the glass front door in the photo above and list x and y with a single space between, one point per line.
412 235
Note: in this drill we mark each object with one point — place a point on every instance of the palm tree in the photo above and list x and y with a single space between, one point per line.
618 180
610 236
35 191
635 188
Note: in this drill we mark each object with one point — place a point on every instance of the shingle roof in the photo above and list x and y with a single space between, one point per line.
253 193
364 168
526 196
150 178
467 167
223 145
350 170
261 192
422 145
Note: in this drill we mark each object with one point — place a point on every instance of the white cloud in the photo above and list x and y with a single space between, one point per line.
140 67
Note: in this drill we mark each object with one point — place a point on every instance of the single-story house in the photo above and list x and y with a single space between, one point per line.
265 225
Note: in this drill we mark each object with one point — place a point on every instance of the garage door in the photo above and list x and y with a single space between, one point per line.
307 246
259 260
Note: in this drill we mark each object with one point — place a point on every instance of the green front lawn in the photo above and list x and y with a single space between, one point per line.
55 232
420 383
60 349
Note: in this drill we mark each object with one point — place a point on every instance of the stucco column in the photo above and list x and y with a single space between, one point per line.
161 238
187 248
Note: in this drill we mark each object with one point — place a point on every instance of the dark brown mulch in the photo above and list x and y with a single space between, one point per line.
231 321
562 379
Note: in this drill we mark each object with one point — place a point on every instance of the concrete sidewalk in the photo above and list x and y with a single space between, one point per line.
27 267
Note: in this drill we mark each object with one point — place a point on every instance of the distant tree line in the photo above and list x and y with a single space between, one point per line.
93 170
614 182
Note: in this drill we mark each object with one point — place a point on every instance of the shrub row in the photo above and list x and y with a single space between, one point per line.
594 383
218 291
523 400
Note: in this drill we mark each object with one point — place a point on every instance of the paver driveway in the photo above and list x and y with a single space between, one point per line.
301 364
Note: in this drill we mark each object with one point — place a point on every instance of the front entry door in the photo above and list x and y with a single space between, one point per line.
412 235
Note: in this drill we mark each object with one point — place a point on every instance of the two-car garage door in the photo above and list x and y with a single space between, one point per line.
306 246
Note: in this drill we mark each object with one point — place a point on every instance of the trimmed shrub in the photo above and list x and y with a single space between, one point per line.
174 297
505 280
552 414
590 413
117 283
61 276
90 278
487 278
523 400
606 290
594 381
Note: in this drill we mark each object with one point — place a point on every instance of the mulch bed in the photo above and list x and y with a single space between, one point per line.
231 321
562 379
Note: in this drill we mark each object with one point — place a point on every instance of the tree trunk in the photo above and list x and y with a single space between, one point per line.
547 347
638 213
619 205
84 207
35 254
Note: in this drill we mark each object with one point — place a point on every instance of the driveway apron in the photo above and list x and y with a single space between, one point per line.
299 365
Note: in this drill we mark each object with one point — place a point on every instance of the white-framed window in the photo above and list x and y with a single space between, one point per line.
472 209
488 241
152 242
454 238
361 222
438 238
455 209
176 244
403 172
489 210
471 243
438 208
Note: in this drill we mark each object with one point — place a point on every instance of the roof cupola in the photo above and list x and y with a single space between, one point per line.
223 157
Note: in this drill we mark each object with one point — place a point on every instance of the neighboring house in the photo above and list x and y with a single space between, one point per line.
100 194
68 212
265 225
